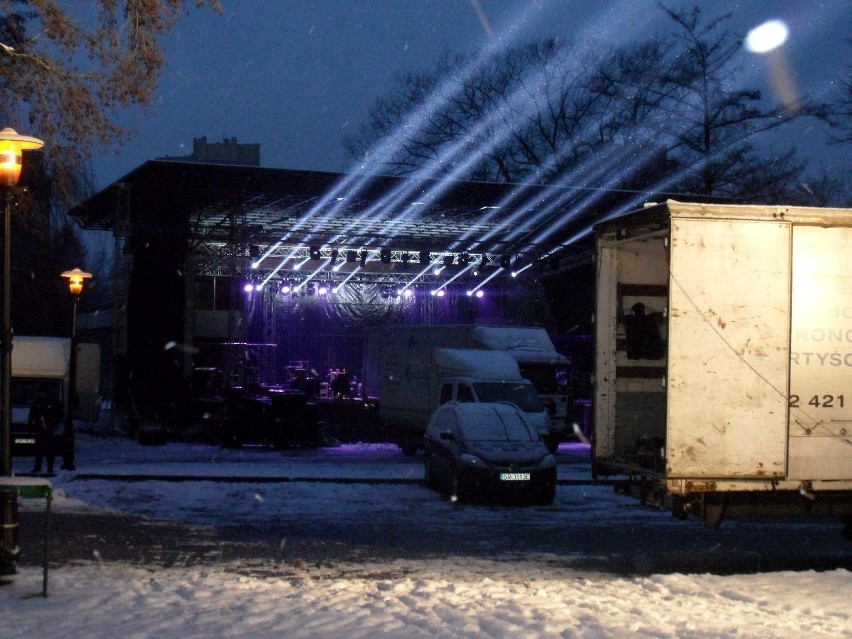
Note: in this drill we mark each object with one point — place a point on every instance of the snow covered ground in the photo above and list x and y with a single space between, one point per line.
399 560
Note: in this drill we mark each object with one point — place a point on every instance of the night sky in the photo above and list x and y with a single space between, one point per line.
297 76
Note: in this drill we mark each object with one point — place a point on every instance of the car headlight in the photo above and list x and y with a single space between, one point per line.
471 460
548 461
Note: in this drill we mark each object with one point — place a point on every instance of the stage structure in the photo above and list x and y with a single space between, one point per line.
210 257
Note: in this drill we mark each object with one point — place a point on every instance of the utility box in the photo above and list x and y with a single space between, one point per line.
723 372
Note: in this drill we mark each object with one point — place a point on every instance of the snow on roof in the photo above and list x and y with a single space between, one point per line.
524 342
477 363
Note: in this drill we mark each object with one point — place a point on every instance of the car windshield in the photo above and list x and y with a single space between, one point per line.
522 395
506 428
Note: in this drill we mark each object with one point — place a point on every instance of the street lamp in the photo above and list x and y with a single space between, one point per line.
12 146
76 277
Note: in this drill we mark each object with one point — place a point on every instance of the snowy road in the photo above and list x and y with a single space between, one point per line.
295 551
370 498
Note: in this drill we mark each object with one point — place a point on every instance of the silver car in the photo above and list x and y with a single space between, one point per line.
483 450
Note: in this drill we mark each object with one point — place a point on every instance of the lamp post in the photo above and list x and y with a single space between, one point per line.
12 146
76 277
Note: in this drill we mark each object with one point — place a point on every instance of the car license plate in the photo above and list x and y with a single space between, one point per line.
514 476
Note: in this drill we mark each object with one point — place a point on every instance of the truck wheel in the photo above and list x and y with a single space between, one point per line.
410 447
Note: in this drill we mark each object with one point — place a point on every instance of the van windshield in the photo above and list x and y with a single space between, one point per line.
522 395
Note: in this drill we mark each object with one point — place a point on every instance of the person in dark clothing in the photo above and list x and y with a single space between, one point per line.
341 385
643 335
44 416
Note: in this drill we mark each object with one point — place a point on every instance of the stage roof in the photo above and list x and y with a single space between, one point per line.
280 214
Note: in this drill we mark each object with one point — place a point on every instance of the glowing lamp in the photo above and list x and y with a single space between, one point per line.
75 280
11 146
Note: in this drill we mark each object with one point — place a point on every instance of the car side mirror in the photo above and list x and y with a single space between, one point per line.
447 436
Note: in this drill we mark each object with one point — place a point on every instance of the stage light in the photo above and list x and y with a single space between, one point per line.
394 293
323 289
314 252
310 289
506 261
448 260
363 259
406 258
384 293
248 287
334 254
351 256
385 256
425 258
286 287
464 259
254 250
407 293
480 293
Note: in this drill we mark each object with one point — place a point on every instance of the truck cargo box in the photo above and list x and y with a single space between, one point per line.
724 358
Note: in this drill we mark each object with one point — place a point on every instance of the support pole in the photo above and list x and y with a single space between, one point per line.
8 499
71 400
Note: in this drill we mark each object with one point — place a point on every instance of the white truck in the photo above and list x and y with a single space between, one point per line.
412 378
723 373
38 361
530 346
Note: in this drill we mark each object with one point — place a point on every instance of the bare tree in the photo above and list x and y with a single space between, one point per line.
66 71
668 111
839 113
498 119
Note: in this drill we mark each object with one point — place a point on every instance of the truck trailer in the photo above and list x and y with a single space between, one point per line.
411 378
530 346
723 368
